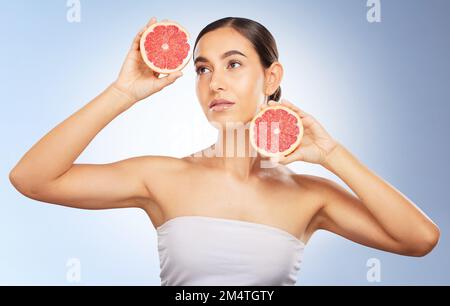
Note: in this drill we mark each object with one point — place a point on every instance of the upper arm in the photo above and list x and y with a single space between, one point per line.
344 214
102 186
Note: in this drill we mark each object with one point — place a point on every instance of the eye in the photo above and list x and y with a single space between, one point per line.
234 62
199 69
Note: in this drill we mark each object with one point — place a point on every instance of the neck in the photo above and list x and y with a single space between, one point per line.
234 154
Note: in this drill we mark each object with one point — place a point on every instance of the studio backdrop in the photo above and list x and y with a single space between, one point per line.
375 73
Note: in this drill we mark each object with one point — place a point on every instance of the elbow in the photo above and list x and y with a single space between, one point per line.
427 243
15 181
20 184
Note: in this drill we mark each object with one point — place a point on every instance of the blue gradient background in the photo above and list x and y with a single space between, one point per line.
382 89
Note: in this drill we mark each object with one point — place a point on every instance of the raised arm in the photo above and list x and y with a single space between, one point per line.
47 171
122 184
378 215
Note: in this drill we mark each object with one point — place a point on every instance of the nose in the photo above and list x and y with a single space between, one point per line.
217 81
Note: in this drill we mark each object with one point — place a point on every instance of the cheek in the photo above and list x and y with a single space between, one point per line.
249 91
248 85
202 84
202 90
251 87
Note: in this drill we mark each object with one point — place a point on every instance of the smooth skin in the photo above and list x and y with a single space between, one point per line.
376 215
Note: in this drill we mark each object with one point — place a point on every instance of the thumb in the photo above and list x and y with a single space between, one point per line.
169 79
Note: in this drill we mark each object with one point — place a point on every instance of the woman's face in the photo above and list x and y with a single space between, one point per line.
232 76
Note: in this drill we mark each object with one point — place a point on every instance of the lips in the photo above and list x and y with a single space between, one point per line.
220 102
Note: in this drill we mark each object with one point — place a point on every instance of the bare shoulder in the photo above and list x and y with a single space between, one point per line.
312 183
162 162
151 168
159 175
323 187
160 168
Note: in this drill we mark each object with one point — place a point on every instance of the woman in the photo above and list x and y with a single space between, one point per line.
224 217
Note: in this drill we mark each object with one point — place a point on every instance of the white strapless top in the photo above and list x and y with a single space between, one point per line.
206 251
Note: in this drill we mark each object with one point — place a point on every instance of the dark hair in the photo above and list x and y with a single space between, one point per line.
261 39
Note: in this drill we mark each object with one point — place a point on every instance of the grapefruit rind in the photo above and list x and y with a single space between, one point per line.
144 51
292 148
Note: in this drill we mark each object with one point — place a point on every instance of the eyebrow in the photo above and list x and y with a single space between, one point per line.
224 56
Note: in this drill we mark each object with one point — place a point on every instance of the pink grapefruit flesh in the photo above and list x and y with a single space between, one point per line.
276 131
165 47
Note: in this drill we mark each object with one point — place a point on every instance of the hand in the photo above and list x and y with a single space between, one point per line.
136 79
316 144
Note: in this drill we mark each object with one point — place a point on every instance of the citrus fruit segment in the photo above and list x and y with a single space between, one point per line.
165 47
276 131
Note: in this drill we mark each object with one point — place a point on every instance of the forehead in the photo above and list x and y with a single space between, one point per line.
215 43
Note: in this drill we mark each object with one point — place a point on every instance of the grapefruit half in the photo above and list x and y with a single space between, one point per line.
165 47
276 131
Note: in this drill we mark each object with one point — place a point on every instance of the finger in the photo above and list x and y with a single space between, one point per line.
289 159
302 112
289 105
151 21
294 107
283 160
307 119
296 155
169 79
135 46
135 43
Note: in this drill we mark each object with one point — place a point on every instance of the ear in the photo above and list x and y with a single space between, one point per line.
274 75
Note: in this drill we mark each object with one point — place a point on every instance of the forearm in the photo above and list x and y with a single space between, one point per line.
56 152
398 216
